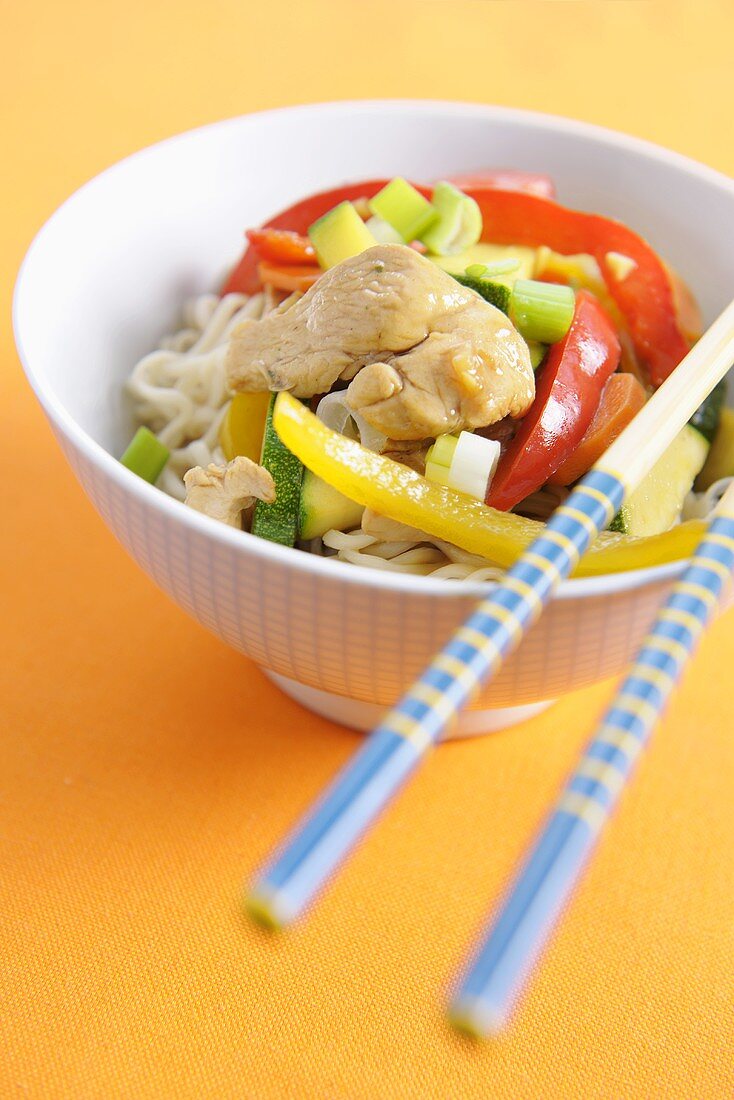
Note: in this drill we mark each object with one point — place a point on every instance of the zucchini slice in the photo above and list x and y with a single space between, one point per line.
657 501
278 522
323 507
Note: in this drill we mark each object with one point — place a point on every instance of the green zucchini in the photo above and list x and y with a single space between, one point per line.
720 461
323 508
278 522
656 503
707 416
497 294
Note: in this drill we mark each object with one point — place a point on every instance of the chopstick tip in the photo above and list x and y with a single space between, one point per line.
476 1018
261 907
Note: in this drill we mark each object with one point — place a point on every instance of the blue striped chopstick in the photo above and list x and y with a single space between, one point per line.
394 749
299 869
487 993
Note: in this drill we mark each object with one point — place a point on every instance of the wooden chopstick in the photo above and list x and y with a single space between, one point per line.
393 750
494 980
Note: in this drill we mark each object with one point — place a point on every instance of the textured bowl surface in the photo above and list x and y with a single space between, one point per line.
106 277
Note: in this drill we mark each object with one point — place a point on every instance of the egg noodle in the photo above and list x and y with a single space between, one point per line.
179 390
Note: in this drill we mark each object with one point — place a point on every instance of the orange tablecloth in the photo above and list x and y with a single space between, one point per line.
145 770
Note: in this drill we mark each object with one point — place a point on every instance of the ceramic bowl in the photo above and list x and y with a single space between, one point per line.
106 277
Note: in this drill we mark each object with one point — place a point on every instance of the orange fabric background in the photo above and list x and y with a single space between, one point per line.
145 770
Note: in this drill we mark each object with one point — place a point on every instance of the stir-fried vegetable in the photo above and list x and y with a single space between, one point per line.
497 294
145 455
644 296
720 462
581 289
241 431
279 521
281 246
494 257
339 234
657 502
621 400
648 295
298 217
404 208
567 396
396 491
289 277
466 462
458 224
542 311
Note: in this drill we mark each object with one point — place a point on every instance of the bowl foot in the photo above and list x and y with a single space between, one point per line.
363 716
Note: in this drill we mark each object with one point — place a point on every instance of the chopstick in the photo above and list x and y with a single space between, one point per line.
389 755
491 986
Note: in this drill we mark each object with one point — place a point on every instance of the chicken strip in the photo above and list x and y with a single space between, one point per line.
225 492
426 355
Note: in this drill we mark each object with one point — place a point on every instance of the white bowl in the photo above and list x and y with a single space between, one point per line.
106 277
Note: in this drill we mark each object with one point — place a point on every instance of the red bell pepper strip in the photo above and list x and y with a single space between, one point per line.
281 246
507 179
297 218
567 396
645 297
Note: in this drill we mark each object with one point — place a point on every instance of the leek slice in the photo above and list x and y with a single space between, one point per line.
466 462
459 224
145 455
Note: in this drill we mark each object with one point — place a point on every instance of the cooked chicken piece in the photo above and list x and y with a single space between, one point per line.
429 355
410 452
225 492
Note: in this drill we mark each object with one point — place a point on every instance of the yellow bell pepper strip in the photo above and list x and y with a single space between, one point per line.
241 431
401 494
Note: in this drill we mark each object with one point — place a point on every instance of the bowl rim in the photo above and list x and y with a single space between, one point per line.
243 542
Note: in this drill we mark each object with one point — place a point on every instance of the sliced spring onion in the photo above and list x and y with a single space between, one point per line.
619 265
488 271
466 462
542 311
145 455
404 208
339 235
443 449
382 231
459 223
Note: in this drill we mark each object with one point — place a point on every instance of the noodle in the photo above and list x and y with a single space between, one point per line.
543 503
429 557
701 505
180 390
